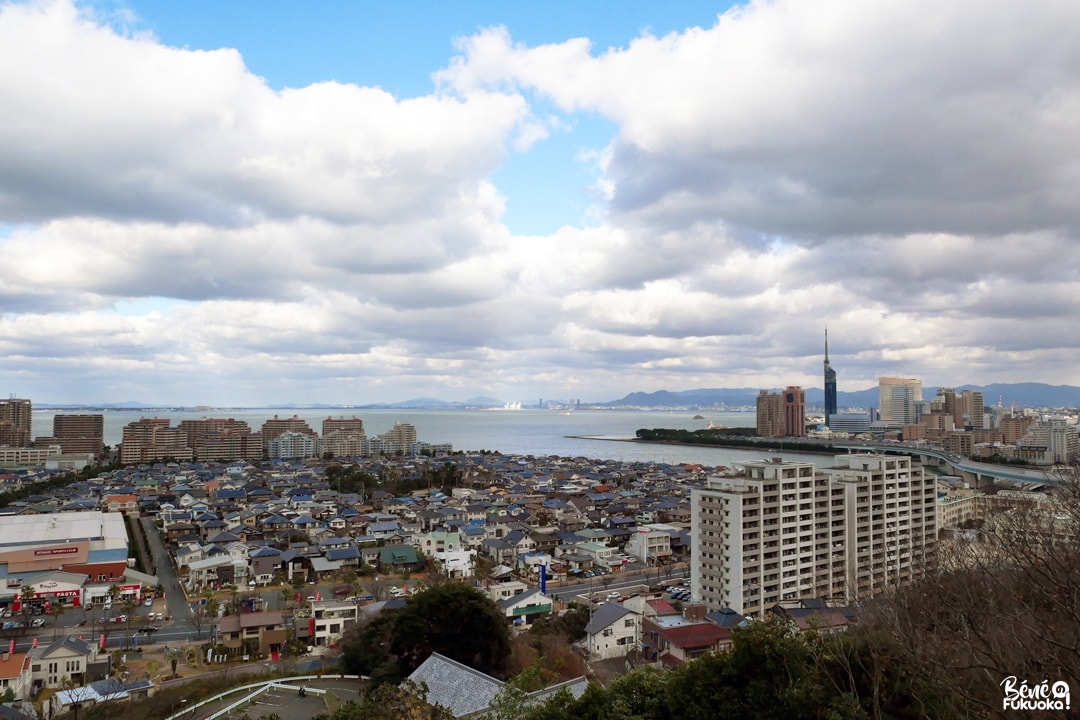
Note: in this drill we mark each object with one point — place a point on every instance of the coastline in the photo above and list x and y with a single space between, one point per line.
765 445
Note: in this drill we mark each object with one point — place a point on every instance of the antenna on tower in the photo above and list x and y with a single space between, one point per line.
826 344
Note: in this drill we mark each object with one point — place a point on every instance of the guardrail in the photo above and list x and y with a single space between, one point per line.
257 689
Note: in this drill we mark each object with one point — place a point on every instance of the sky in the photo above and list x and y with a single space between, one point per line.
254 203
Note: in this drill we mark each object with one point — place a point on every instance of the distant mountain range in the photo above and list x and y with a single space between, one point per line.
1023 394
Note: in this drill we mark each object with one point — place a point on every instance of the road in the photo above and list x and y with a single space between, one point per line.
613 582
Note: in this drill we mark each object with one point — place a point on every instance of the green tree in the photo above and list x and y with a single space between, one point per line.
455 620
26 595
129 608
57 612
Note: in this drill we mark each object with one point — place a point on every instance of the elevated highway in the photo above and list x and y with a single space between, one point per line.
977 473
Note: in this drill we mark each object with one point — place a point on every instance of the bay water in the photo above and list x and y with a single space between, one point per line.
594 434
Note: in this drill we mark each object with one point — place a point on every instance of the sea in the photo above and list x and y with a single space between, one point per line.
594 434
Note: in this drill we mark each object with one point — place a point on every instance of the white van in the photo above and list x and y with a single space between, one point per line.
108 602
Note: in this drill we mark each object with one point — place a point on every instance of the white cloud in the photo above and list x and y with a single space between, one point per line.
899 170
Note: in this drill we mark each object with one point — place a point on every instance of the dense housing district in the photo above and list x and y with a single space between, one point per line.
294 552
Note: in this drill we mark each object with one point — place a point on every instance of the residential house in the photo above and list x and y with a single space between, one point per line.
329 620
250 633
613 631
69 658
524 608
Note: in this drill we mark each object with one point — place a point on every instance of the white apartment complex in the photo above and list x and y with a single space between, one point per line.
771 534
891 508
781 531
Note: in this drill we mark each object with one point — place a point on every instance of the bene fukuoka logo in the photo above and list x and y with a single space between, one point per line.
1042 696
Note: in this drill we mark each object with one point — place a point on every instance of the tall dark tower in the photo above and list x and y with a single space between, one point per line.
830 383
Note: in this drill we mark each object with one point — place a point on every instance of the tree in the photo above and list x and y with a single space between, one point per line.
26 595
113 593
78 694
449 618
173 654
205 611
1006 603
57 612
129 608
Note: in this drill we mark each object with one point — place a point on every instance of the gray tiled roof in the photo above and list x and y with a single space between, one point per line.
456 687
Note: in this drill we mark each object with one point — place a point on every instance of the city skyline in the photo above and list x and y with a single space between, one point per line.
355 204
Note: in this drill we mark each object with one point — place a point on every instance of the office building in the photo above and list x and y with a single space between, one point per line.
770 414
16 418
80 433
900 400
974 408
794 411
830 385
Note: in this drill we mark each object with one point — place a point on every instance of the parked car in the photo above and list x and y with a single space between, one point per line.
120 618
38 622
147 629
149 602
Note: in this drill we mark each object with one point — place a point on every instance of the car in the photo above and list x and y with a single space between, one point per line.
6 612
156 616
120 618
149 602
38 622
146 630
311 598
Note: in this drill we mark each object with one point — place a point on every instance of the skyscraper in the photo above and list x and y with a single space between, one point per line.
830 384
901 400
794 411
770 414
16 417
80 433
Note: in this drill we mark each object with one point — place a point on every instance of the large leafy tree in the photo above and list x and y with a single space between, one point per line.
454 620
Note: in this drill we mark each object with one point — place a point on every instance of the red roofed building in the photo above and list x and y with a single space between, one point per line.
674 641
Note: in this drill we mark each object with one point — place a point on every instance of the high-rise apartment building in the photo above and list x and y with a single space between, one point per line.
891 523
221 439
80 433
345 443
770 414
400 438
293 445
830 385
16 419
794 411
781 531
273 428
350 425
773 533
152 439
900 400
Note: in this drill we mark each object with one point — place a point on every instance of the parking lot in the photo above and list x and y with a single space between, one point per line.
288 704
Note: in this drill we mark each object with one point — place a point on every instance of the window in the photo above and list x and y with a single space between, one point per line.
628 623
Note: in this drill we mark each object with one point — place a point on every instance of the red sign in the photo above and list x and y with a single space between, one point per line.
56 551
